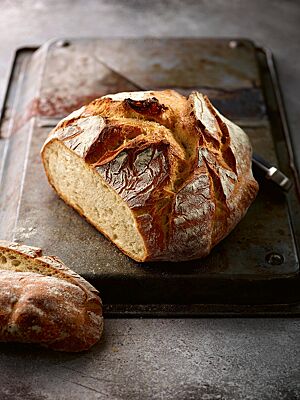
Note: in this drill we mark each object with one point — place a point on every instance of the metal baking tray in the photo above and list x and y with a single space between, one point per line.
254 271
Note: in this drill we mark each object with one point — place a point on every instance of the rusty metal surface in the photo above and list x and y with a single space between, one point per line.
66 74
63 75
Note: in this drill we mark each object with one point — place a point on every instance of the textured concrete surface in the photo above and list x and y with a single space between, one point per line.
205 359
163 359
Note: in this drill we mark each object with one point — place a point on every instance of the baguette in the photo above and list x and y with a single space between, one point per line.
163 176
43 301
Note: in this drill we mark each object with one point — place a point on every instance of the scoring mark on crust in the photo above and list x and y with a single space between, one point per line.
150 107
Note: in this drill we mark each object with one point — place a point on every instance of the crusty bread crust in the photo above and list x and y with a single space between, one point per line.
43 301
198 182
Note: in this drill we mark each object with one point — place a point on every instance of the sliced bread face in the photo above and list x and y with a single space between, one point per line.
83 188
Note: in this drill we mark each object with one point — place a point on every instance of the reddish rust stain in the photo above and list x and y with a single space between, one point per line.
55 106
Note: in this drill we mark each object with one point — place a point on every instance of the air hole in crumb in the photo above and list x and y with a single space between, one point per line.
3 260
16 262
115 236
11 257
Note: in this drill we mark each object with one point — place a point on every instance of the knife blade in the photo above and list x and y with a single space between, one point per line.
271 172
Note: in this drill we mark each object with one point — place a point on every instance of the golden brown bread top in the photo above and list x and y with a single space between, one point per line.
43 301
183 168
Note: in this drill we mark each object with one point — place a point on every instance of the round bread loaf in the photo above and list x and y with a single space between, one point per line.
163 176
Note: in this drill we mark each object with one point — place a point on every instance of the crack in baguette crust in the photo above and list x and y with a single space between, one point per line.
43 301
177 171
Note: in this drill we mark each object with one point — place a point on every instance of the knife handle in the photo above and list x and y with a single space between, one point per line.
271 172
